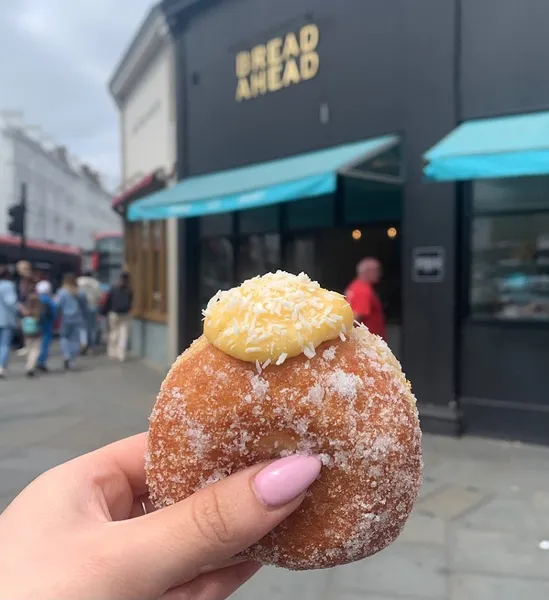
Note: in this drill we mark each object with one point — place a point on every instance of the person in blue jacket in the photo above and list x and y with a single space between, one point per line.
47 322
8 316
72 307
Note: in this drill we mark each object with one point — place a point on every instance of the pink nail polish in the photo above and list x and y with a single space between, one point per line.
284 480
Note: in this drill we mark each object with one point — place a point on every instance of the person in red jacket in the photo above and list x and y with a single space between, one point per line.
363 299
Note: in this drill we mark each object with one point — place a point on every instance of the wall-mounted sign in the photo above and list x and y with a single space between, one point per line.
280 63
428 264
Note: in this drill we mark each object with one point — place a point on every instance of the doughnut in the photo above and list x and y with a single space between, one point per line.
281 369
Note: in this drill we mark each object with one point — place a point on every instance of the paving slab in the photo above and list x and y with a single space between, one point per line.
280 584
429 485
349 595
503 554
517 514
540 501
402 569
25 432
423 529
487 587
450 501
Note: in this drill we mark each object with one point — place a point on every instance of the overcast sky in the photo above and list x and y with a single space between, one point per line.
56 57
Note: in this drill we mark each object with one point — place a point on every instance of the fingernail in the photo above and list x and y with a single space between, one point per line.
284 480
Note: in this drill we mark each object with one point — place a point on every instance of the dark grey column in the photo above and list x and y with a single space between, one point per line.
187 229
430 219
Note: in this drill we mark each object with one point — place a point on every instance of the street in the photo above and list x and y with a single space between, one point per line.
476 532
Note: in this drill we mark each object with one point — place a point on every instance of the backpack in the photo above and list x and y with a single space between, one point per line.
29 325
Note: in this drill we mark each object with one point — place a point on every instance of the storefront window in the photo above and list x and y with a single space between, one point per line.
510 249
300 256
216 225
257 255
110 244
311 213
146 259
216 267
370 201
258 220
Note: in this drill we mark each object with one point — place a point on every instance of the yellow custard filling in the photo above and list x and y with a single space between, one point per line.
274 317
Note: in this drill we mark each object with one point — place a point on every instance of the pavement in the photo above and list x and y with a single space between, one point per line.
477 532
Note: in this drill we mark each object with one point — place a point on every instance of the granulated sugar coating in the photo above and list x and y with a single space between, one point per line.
350 404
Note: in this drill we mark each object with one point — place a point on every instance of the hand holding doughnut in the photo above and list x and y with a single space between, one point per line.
79 531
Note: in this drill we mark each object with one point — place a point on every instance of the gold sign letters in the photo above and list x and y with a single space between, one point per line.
281 62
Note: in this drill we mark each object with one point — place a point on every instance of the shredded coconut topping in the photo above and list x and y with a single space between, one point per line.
274 317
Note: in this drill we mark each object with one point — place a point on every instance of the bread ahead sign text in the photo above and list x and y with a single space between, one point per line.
281 62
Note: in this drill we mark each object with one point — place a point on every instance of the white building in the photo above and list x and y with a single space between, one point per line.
144 90
66 203
143 87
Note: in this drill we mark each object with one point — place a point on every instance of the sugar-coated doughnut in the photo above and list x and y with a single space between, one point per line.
344 399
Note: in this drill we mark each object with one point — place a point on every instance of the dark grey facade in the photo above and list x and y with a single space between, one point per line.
503 377
413 67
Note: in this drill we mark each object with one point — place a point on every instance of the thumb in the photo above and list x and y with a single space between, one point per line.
171 545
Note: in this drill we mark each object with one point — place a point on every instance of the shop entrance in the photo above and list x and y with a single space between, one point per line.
366 223
324 236
330 257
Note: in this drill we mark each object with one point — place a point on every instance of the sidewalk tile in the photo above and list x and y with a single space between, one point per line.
503 554
280 584
421 529
486 587
449 502
400 569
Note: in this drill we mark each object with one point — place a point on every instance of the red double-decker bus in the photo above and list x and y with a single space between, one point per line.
107 258
48 261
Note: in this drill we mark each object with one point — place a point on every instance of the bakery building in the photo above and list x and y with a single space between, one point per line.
311 134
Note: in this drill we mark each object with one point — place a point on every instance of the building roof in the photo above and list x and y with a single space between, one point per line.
151 36
59 157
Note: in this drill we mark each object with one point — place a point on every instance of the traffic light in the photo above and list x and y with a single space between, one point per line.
16 223
17 215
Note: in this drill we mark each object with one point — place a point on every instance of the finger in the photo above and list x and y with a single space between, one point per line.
129 456
231 562
214 586
173 544
116 471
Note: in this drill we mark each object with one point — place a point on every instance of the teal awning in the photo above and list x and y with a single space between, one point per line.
490 148
284 180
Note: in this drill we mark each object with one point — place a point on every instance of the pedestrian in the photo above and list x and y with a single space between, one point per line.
91 288
362 297
118 306
8 316
71 307
47 323
31 325
24 280
86 529
25 285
